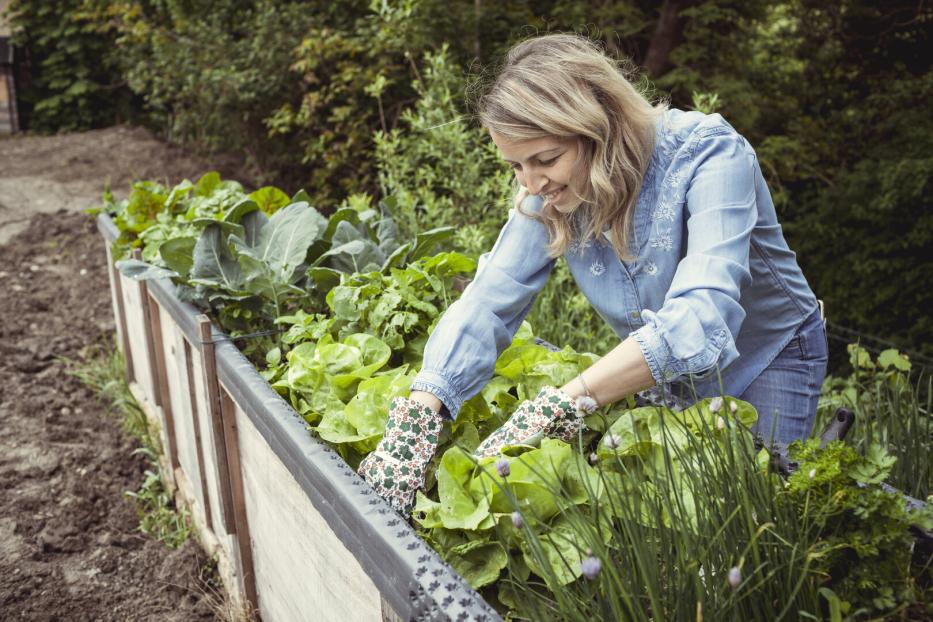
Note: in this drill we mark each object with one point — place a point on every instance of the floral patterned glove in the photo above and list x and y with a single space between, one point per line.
552 413
396 468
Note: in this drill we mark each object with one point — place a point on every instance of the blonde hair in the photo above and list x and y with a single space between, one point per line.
563 85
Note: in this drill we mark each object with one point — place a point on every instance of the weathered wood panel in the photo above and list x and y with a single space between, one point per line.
111 272
202 417
137 337
181 400
303 570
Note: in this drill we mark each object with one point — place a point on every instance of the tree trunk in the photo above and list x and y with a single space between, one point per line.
668 34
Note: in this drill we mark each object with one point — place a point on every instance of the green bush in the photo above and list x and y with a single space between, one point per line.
73 80
211 72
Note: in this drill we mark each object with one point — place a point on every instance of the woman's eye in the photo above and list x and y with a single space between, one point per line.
548 162
515 166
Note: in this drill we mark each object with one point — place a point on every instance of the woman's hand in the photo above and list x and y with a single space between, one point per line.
396 468
553 413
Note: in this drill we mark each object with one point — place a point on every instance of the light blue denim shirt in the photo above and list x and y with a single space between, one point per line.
713 293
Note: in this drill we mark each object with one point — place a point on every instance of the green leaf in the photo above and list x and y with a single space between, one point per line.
859 357
178 254
324 279
427 240
214 264
207 184
300 196
478 562
346 214
353 252
893 358
280 247
269 199
462 506
368 410
240 210
835 604
397 258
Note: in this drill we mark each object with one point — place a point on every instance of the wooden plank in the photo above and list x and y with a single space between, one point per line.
116 284
149 340
217 548
114 304
178 369
212 390
163 389
235 477
136 335
303 570
198 442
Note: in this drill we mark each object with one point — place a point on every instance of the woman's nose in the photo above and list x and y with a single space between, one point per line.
535 183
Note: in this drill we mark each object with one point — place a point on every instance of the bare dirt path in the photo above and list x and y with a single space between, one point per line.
69 545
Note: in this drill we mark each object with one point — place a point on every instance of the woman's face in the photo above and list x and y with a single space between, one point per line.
544 166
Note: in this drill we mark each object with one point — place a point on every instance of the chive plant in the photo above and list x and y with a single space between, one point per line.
892 404
687 531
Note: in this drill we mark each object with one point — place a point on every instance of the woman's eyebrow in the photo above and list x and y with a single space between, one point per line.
537 155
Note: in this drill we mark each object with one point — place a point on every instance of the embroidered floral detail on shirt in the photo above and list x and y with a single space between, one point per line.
597 268
664 211
663 239
675 179
651 268
577 246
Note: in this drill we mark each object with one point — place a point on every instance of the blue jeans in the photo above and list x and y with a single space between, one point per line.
786 393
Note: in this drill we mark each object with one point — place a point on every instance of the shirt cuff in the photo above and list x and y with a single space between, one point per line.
656 353
440 386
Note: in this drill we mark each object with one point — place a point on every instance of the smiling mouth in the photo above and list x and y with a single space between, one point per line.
550 196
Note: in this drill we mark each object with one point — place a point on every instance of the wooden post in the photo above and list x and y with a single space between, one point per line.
231 442
121 312
198 443
162 388
150 345
212 386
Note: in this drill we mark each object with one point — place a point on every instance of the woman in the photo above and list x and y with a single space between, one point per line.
668 228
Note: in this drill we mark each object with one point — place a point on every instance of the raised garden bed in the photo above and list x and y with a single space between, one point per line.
296 531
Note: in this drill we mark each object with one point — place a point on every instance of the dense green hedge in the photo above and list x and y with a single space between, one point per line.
833 96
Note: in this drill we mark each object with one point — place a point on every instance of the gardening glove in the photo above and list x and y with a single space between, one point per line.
552 413
396 468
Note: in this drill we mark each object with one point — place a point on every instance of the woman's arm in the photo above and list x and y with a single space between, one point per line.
428 399
621 372
460 355
694 331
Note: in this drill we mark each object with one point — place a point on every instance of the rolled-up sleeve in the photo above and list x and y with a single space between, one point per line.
693 333
461 353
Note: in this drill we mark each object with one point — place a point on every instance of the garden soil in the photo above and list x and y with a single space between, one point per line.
69 544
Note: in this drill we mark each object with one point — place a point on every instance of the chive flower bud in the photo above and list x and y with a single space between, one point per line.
517 519
733 407
502 466
586 405
812 474
735 577
715 404
720 423
590 567
612 440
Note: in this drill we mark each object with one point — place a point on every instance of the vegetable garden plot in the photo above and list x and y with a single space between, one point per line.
294 527
660 500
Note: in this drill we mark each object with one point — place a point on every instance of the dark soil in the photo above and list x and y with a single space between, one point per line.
70 548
